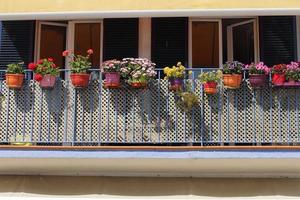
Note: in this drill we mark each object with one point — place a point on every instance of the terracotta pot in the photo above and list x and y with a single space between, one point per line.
138 85
80 80
14 81
176 84
278 79
232 81
112 80
48 81
257 80
210 87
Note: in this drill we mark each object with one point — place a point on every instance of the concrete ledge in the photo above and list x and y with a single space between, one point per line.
152 163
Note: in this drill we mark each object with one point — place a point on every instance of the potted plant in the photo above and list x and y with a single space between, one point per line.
46 72
210 81
111 70
232 74
278 74
137 71
292 74
175 75
258 74
14 75
79 68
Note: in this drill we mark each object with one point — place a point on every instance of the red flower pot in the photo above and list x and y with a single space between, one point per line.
112 80
278 79
176 84
210 87
48 82
14 81
257 80
80 80
138 85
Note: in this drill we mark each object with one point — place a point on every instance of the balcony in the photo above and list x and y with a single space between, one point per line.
66 116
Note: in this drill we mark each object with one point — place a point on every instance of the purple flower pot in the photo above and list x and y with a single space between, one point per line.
112 80
176 84
257 80
48 82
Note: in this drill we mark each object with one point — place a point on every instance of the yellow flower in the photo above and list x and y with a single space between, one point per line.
179 64
190 73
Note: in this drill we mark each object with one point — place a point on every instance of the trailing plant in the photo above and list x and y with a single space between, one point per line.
258 68
234 67
111 66
186 100
15 68
137 70
79 63
212 76
44 67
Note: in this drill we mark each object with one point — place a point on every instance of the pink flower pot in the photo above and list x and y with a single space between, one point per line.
48 81
257 80
112 80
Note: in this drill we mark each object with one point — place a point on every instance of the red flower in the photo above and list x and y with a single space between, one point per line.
65 53
40 61
50 59
90 51
38 77
54 65
32 66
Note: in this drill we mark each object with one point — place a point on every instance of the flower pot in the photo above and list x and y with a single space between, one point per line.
291 83
232 81
14 81
257 80
112 80
138 85
176 84
80 80
210 87
278 79
48 82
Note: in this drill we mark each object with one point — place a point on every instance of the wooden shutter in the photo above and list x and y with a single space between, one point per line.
278 39
169 41
120 38
16 42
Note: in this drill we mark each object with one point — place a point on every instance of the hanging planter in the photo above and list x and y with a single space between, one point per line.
138 85
278 74
278 79
14 76
257 80
79 67
232 74
258 74
45 72
210 81
175 75
176 84
111 70
292 74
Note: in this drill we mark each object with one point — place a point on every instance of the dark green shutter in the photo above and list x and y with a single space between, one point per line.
120 38
16 42
169 41
278 39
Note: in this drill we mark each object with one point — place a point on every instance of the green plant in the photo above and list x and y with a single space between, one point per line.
292 72
234 67
79 63
212 76
15 68
44 67
187 100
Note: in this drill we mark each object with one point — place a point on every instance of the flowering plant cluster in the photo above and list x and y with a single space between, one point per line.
15 68
79 63
44 67
111 66
258 68
137 70
176 72
279 69
292 71
212 76
234 67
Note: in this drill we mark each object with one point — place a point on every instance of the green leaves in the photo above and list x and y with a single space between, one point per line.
15 68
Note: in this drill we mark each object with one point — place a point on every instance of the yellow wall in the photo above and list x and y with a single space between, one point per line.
17 6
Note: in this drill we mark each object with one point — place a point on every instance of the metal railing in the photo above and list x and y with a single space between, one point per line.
126 116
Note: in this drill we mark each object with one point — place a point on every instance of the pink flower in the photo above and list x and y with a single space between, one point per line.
50 59
65 53
90 51
53 65
40 61
32 66
38 77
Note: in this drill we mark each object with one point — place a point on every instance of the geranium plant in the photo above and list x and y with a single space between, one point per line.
292 71
279 69
79 63
44 67
278 74
258 68
234 67
137 71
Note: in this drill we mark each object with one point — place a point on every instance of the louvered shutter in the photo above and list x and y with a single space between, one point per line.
16 42
169 41
278 39
120 38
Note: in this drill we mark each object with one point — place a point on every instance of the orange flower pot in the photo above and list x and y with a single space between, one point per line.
14 81
138 85
232 81
210 87
80 80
